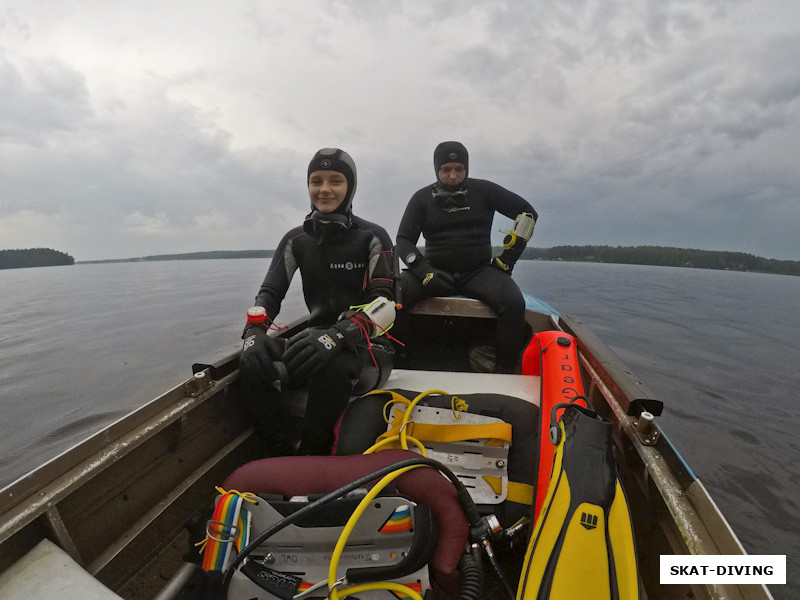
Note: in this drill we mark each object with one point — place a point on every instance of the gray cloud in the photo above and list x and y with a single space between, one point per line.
41 99
189 129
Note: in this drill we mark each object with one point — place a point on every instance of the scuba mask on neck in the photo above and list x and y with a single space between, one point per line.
326 225
449 199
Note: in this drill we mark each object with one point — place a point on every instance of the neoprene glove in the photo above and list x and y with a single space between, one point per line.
500 264
260 353
309 351
435 282
510 255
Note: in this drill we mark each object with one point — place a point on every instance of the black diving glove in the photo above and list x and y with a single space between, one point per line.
309 351
502 265
261 354
435 282
513 246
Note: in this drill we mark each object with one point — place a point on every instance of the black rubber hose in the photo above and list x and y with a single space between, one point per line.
471 587
462 494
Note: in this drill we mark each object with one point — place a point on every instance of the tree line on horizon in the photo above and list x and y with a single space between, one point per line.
634 255
34 257
666 257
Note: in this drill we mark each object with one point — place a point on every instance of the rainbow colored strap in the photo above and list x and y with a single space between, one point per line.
227 532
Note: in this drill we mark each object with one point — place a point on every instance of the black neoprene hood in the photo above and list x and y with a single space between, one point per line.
450 152
334 159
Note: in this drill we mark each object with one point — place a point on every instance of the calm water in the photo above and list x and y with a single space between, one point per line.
81 346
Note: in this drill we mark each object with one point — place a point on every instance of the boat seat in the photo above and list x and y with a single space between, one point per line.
47 572
461 306
363 422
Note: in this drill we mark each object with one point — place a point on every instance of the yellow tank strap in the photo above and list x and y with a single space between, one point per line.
496 433
521 493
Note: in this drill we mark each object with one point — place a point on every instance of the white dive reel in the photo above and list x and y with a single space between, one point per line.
523 228
380 313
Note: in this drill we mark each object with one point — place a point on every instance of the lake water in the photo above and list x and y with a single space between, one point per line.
83 345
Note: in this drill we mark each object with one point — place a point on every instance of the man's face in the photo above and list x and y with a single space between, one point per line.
452 173
327 190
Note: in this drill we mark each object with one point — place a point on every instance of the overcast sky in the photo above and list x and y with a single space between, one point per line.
150 127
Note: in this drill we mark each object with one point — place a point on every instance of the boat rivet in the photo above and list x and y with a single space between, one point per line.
501 464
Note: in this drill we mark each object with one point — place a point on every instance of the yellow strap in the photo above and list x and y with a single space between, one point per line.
450 433
521 493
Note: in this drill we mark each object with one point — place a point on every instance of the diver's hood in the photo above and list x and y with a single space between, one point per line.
334 159
447 152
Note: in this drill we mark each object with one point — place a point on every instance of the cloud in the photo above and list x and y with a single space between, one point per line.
189 127
41 99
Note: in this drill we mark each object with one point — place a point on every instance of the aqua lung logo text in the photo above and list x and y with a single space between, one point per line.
348 266
589 521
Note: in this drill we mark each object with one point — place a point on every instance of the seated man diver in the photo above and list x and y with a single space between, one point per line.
346 265
455 217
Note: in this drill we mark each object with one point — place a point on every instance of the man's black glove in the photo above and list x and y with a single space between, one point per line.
502 265
310 351
261 354
513 245
434 281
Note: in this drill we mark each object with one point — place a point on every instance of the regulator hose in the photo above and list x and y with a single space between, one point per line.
462 494
471 587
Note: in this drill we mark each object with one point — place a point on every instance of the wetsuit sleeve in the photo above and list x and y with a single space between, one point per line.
279 276
411 228
508 203
380 267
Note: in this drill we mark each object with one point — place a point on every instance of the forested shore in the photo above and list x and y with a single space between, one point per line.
633 255
34 257
210 255
666 257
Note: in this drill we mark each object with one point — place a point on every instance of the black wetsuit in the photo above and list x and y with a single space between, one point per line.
457 230
340 269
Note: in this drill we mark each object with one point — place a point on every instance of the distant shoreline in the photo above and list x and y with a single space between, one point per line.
210 255
660 256
636 255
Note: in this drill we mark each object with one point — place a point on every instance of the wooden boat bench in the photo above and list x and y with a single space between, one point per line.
47 572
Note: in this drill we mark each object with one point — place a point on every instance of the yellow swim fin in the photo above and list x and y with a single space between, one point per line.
582 544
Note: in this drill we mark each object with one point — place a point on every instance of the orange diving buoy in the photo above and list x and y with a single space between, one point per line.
554 356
